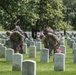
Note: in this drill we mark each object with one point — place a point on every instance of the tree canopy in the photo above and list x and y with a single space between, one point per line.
57 14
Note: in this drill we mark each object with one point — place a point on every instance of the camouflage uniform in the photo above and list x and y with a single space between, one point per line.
51 42
17 40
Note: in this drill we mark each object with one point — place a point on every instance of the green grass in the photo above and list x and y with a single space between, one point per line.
42 68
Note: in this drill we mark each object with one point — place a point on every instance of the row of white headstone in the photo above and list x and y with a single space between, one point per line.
19 64
28 67
72 43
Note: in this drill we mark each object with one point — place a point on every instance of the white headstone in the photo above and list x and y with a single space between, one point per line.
75 40
62 42
59 62
28 67
44 55
71 43
25 48
2 51
9 54
17 62
74 55
38 45
32 51
32 43
74 46
68 40
63 48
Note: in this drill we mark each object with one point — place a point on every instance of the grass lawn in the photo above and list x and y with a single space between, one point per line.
42 68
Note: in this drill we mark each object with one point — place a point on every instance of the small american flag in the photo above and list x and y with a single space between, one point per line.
18 48
59 50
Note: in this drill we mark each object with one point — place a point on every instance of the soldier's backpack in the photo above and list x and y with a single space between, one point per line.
53 39
17 37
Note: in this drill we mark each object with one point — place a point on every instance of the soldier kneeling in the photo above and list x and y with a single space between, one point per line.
51 42
17 40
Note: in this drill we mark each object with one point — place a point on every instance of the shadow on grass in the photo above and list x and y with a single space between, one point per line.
10 72
2 61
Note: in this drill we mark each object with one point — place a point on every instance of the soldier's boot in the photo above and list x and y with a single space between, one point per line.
21 51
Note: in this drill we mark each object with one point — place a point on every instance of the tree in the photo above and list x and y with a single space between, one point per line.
10 11
17 13
69 12
50 12
35 13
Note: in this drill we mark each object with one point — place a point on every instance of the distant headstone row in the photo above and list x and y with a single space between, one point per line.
72 44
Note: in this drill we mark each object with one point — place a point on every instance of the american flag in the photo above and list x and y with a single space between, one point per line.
18 48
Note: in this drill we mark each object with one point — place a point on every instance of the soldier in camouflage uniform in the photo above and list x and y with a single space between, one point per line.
17 40
51 42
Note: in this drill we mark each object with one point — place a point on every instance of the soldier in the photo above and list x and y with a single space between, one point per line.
51 42
17 40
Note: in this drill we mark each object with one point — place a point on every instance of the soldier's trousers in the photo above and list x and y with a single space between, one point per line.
50 49
21 51
14 46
